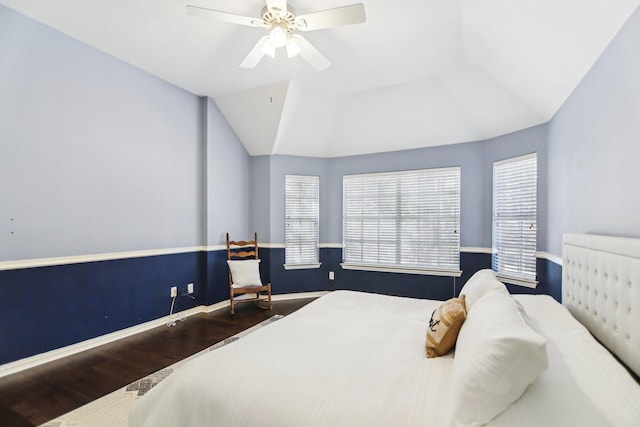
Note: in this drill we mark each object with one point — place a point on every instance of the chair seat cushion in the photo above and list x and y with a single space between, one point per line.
245 272
236 286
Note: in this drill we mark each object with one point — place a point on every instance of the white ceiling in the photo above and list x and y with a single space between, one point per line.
418 73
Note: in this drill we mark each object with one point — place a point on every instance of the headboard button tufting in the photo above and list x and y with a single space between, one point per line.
597 270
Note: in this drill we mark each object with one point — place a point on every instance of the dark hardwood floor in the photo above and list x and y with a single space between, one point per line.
37 395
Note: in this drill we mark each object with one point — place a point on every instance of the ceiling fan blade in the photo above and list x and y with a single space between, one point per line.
256 54
224 16
277 7
311 54
346 15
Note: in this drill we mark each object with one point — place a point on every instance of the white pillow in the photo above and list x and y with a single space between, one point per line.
497 356
245 272
479 284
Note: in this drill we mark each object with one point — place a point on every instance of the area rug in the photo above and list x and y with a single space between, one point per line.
113 409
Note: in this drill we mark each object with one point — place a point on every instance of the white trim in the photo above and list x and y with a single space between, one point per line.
272 245
518 282
515 159
77 259
550 257
331 245
213 307
298 295
540 254
276 246
475 250
50 356
424 272
284 246
301 266
212 248
401 172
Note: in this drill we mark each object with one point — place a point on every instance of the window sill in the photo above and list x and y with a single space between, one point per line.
301 266
404 270
527 283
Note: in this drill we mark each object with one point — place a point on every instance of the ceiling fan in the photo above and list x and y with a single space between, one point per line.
281 22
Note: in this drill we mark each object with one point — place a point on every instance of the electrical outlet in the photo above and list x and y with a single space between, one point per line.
190 288
331 275
174 291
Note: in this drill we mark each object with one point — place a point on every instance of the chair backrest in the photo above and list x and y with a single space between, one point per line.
242 249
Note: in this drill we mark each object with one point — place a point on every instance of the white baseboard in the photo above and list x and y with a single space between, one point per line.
59 353
299 295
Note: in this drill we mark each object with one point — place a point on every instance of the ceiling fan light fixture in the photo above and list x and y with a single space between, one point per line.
278 36
293 48
268 48
281 22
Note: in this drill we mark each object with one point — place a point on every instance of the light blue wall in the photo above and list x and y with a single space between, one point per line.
512 145
228 175
467 156
475 159
95 155
476 162
259 194
594 147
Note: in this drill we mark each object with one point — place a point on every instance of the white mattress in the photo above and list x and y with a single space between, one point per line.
355 359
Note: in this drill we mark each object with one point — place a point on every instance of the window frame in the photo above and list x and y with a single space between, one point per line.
404 197
519 265
299 219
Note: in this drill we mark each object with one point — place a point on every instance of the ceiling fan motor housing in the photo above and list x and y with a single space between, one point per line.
273 18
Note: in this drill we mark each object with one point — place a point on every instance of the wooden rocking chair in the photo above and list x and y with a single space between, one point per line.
245 284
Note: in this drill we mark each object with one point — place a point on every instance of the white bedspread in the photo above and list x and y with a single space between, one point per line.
356 359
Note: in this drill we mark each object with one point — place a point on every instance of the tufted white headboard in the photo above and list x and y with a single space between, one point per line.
601 288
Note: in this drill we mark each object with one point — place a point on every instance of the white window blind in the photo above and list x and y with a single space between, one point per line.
514 217
407 219
302 218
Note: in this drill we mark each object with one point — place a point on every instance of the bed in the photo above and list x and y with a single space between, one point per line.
356 359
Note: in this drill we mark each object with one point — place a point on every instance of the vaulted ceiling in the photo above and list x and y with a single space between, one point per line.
418 73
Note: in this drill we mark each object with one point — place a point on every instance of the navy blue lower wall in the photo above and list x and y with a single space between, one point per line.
217 274
410 285
46 308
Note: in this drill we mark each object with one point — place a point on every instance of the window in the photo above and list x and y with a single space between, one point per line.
302 218
403 221
514 219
